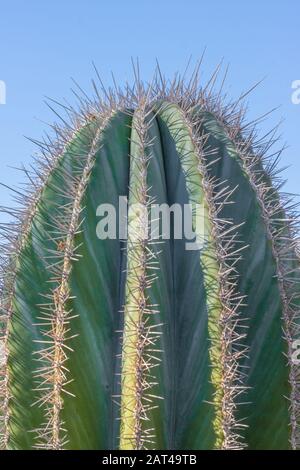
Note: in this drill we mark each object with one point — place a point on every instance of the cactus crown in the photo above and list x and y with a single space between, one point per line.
143 343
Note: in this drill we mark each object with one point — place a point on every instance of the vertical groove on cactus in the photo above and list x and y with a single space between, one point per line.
54 372
222 299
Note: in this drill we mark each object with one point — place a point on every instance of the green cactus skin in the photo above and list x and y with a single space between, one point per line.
144 344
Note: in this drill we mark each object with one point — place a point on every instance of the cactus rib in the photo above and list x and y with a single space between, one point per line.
33 199
8 308
55 375
279 229
138 334
222 299
234 148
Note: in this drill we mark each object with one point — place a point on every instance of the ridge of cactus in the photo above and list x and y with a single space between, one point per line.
275 217
219 278
55 316
15 238
51 375
139 336
6 308
281 221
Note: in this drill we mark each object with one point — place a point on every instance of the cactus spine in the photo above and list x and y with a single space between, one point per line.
199 363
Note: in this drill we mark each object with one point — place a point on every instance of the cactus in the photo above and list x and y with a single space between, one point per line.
138 342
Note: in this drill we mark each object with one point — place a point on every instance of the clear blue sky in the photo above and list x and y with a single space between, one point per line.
44 43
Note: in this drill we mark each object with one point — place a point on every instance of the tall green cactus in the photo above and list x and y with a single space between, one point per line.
141 342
